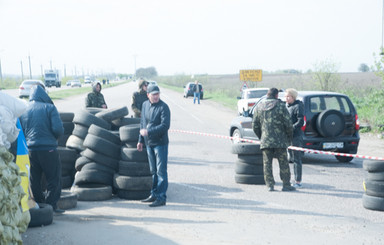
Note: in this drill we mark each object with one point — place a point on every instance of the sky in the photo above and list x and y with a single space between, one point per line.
187 37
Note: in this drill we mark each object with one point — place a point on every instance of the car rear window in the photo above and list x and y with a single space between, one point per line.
322 103
255 94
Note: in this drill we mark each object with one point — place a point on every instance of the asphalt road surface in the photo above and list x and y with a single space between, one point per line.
206 206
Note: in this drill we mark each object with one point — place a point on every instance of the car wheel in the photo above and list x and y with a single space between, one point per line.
344 159
330 123
236 135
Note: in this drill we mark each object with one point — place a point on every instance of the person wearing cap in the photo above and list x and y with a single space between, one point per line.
139 97
95 98
155 121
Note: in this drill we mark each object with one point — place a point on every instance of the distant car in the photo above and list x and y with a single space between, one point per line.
26 85
153 83
331 123
249 97
87 80
188 90
75 83
68 83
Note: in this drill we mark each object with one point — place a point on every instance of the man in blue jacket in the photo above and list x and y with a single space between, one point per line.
154 124
42 127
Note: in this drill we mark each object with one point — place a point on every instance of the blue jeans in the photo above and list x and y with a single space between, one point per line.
196 95
158 159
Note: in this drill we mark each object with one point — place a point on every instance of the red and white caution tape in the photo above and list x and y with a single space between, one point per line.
295 148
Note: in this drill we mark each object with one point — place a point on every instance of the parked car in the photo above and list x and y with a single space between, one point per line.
75 83
87 79
249 97
331 123
188 90
68 83
26 85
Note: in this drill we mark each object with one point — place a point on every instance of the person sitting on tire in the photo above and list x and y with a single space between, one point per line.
95 98
139 97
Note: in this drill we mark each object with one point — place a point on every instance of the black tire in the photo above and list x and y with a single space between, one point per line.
344 159
134 168
102 146
129 132
373 203
93 177
105 134
41 216
66 181
66 116
67 168
133 155
81 161
68 200
87 119
374 188
113 114
135 183
250 169
68 127
80 131
98 167
249 179
373 165
62 141
94 110
250 159
67 154
125 121
101 158
92 192
75 142
133 195
330 123
376 176
246 149
131 144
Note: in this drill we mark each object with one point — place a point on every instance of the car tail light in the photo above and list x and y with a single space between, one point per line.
21 87
308 143
305 124
354 143
357 122
250 104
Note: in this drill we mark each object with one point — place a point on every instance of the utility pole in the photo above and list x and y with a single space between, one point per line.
134 57
41 68
50 61
21 67
65 70
30 70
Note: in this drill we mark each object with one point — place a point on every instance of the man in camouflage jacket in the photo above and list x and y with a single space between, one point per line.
272 124
139 97
95 98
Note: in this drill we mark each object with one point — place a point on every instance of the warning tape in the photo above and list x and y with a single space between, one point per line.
295 148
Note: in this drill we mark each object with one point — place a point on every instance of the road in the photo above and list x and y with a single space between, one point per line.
206 206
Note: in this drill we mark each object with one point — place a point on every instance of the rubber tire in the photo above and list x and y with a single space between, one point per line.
325 122
94 110
80 131
375 176
374 188
373 203
81 161
42 216
105 134
75 142
373 165
135 183
112 114
250 159
129 132
125 121
131 144
66 116
133 155
98 167
249 179
102 146
87 119
68 127
67 154
250 169
93 177
92 192
101 158
344 159
134 168
68 200
66 181
246 149
62 141
133 195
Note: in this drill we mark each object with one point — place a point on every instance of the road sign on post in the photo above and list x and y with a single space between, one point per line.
251 75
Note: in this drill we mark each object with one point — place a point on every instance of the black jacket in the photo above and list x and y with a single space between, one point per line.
296 111
156 118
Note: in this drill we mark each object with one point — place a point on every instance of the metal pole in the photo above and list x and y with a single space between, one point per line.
30 70
21 67
382 30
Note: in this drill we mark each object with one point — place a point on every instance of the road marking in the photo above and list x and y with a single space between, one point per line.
192 115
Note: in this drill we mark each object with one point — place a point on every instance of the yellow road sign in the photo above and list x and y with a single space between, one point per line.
251 75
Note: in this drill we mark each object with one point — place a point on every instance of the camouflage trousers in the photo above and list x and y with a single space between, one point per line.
281 155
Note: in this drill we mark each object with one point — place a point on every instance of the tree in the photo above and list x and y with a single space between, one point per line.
148 72
378 68
325 74
363 67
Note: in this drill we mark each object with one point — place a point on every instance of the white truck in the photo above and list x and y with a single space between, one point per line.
52 78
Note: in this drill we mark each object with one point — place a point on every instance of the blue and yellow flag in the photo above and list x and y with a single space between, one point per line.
22 160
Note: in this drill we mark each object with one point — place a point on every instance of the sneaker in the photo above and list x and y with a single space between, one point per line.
297 185
157 203
288 188
271 188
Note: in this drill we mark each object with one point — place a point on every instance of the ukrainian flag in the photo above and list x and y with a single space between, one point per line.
22 160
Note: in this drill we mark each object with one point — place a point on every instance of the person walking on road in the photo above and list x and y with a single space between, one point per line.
95 98
154 125
139 97
272 124
296 110
196 92
42 127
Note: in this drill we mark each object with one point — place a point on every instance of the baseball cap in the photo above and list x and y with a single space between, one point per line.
153 89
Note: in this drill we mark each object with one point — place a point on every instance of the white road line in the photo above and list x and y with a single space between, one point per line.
192 115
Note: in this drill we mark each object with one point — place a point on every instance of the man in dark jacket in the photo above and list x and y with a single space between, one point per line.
296 110
42 127
95 98
154 125
272 124
139 97
196 88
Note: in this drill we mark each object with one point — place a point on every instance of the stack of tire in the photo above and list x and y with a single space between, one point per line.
68 159
249 164
66 118
373 198
133 180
